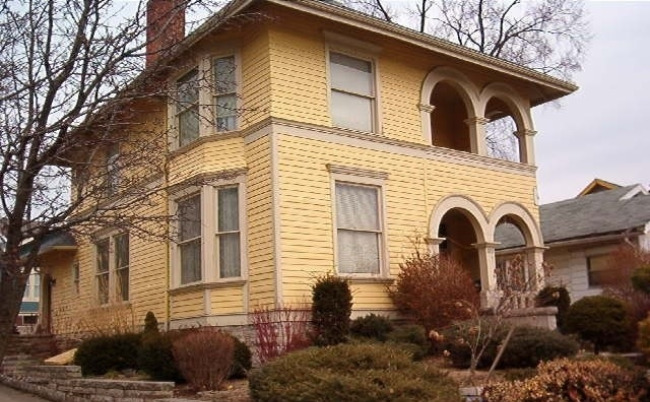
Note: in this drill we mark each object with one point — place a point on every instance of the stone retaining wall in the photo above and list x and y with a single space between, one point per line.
64 383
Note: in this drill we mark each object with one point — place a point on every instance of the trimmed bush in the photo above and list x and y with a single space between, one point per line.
641 279
600 320
350 372
413 335
204 357
331 309
567 380
371 326
242 359
527 347
555 296
99 355
434 290
156 357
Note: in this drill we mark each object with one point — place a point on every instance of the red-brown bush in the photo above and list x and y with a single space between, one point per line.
204 357
280 331
434 290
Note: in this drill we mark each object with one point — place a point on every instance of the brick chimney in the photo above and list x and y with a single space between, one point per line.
165 27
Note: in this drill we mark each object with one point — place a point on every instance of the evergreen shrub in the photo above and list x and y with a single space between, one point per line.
331 309
600 320
99 355
350 372
371 326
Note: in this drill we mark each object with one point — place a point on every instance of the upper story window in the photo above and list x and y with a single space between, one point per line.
187 108
225 93
353 100
358 228
112 169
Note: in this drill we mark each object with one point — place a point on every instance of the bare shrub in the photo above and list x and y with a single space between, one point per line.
434 290
622 263
280 331
204 357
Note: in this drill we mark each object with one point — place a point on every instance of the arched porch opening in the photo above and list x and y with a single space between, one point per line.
458 235
500 132
449 127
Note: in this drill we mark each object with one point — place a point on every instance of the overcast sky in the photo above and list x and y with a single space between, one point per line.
600 130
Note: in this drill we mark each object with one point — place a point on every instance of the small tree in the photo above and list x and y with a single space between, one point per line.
434 290
331 309
600 320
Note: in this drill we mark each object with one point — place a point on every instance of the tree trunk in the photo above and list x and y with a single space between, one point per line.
12 287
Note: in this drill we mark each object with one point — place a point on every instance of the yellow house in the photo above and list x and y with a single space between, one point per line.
306 138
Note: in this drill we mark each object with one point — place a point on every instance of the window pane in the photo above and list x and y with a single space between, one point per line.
229 255
188 125
27 288
224 75
123 283
350 74
188 89
226 112
600 272
121 251
358 252
102 288
190 261
189 215
37 286
102 256
351 111
357 207
228 210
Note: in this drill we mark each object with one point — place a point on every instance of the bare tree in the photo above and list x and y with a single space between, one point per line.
72 98
546 35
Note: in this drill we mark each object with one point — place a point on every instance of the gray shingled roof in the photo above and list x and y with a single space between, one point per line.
594 214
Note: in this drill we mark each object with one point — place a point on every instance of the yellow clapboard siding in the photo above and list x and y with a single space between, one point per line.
186 305
227 300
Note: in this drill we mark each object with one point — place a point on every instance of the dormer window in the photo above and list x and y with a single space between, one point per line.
187 109
352 92
225 93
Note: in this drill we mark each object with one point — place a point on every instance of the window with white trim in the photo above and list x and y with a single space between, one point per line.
224 71
352 97
112 269
187 107
102 275
112 169
189 238
228 241
121 244
210 243
358 228
599 271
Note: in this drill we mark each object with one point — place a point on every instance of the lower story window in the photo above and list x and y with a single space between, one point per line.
103 270
599 272
358 228
189 245
112 274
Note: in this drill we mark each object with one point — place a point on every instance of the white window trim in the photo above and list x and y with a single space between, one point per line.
213 93
206 105
366 53
209 262
113 296
363 177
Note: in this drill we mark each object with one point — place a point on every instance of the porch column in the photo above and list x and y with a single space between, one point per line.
433 244
535 261
526 146
425 116
487 265
477 134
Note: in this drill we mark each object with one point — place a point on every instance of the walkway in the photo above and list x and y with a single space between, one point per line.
11 395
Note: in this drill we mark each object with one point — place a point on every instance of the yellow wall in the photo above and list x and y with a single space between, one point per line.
412 190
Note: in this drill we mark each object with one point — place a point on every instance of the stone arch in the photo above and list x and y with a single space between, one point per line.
524 219
466 90
472 211
517 105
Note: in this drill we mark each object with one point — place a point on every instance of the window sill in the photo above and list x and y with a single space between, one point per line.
367 279
193 287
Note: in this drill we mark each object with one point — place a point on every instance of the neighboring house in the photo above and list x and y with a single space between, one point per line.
583 231
336 141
